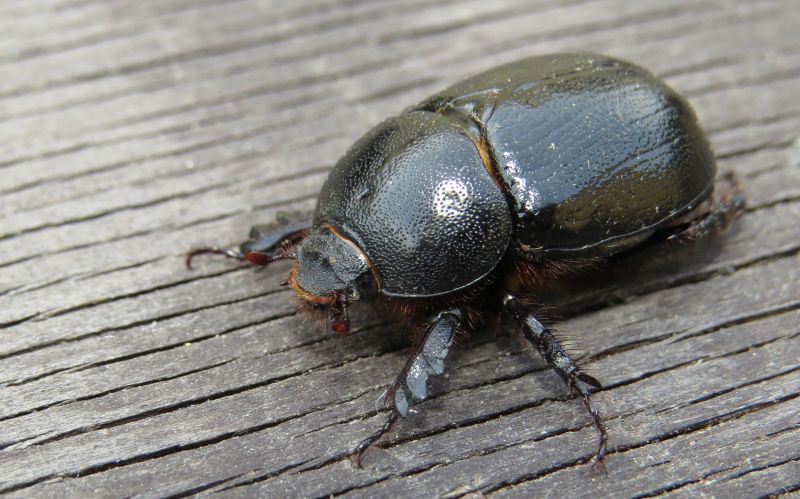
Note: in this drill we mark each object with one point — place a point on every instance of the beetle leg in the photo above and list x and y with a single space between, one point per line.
427 358
728 204
216 250
272 242
267 243
557 358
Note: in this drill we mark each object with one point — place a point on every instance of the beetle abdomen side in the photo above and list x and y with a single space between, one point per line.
414 195
592 151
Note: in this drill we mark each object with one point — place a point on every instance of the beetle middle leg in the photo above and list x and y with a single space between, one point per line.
426 358
556 357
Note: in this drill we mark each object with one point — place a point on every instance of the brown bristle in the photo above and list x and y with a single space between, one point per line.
315 317
546 275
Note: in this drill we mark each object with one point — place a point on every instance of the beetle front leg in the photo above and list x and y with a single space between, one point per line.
267 243
557 358
427 358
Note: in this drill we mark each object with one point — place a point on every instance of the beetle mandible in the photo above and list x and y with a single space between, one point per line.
490 187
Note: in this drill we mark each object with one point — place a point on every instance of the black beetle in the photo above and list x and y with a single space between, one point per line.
491 188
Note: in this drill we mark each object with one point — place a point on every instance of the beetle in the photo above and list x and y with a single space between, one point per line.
490 189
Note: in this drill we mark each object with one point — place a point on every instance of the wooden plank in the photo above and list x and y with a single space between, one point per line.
179 123
52 214
531 422
653 315
231 87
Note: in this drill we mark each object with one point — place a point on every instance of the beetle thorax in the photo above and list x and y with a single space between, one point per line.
415 196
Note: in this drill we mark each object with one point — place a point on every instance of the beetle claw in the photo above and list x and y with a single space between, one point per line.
355 458
589 380
599 467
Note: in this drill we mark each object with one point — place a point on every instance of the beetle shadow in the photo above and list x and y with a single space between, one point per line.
658 266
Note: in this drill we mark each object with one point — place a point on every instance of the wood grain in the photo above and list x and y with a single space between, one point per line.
132 131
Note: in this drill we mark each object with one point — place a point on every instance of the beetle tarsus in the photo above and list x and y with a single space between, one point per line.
216 250
358 453
581 387
426 359
580 384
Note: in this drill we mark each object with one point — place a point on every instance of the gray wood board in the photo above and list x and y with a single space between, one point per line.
132 131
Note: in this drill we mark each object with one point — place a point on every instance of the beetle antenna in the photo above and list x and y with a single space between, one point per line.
216 250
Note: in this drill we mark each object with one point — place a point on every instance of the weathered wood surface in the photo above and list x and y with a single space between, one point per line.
131 131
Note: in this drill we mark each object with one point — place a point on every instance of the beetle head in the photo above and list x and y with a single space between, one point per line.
332 271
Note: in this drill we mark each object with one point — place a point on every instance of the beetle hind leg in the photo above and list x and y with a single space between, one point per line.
426 359
728 202
580 384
